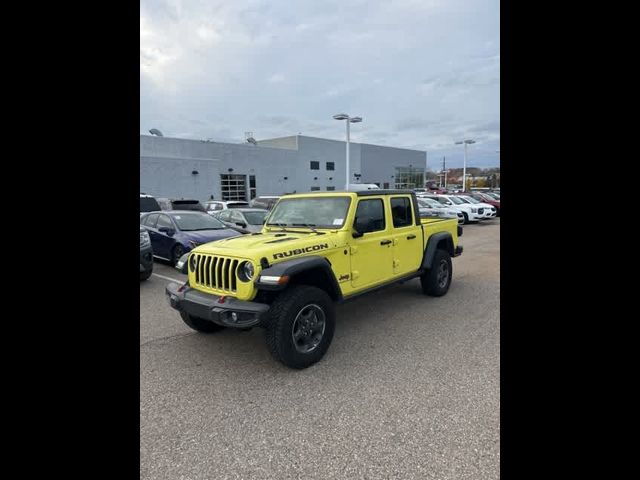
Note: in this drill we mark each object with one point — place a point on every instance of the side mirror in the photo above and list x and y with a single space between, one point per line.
241 224
168 230
359 229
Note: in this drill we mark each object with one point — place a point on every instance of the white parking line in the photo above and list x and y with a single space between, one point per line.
168 278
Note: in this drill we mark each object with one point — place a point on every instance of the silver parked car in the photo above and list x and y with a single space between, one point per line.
245 220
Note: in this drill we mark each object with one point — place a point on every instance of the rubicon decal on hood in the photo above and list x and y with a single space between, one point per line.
300 251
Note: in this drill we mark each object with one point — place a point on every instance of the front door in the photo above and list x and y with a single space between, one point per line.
371 254
164 242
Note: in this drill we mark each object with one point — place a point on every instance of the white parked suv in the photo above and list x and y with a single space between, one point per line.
212 206
470 212
489 210
431 207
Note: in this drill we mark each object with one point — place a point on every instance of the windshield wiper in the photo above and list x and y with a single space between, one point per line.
199 229
308 225
281 225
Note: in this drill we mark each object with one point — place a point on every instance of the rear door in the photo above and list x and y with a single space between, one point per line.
371 254
407 236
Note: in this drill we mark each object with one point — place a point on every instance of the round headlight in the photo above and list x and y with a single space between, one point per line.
248 270
192 262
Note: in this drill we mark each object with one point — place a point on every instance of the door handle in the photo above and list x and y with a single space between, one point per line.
385 242
411 237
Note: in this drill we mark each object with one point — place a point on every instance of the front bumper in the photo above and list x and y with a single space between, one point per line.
217 309
146 259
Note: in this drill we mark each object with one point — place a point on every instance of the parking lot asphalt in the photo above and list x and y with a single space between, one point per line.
410 387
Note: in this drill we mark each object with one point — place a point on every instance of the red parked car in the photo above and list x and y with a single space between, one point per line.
486 199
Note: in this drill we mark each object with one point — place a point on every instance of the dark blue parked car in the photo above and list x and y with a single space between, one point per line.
175 232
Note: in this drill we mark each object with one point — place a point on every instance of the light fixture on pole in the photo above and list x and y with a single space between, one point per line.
344 116
464 168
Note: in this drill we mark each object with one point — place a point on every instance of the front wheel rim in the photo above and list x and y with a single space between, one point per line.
308 328
443 274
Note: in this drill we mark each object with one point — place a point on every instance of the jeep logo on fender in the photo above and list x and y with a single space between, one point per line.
300 251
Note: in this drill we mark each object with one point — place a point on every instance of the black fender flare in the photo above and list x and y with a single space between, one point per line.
295 269
432 246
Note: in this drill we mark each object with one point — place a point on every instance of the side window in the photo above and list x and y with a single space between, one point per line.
236 217
370 216
224 215
164 221
150 220
401 212
218 206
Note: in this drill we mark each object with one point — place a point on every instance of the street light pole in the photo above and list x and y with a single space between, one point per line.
464 166
348 139
464 169
344 116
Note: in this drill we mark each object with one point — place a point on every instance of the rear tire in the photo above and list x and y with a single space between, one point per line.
300 327
145 275
200 324
436 281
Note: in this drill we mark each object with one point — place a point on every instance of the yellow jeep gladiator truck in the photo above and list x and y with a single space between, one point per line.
314 250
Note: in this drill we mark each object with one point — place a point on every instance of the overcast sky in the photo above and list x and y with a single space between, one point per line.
421 73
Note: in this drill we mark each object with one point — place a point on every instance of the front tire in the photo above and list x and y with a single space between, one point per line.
200 324
466 218
177 252
301 325
145 275
436 281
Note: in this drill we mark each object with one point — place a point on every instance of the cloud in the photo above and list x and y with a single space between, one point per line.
276 78
420 72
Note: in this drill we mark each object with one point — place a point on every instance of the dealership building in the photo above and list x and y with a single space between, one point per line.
184 168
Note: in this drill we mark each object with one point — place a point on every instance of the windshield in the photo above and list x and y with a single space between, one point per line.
188 222
321 212
456 200
255 218
470 200
149 204
237 205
